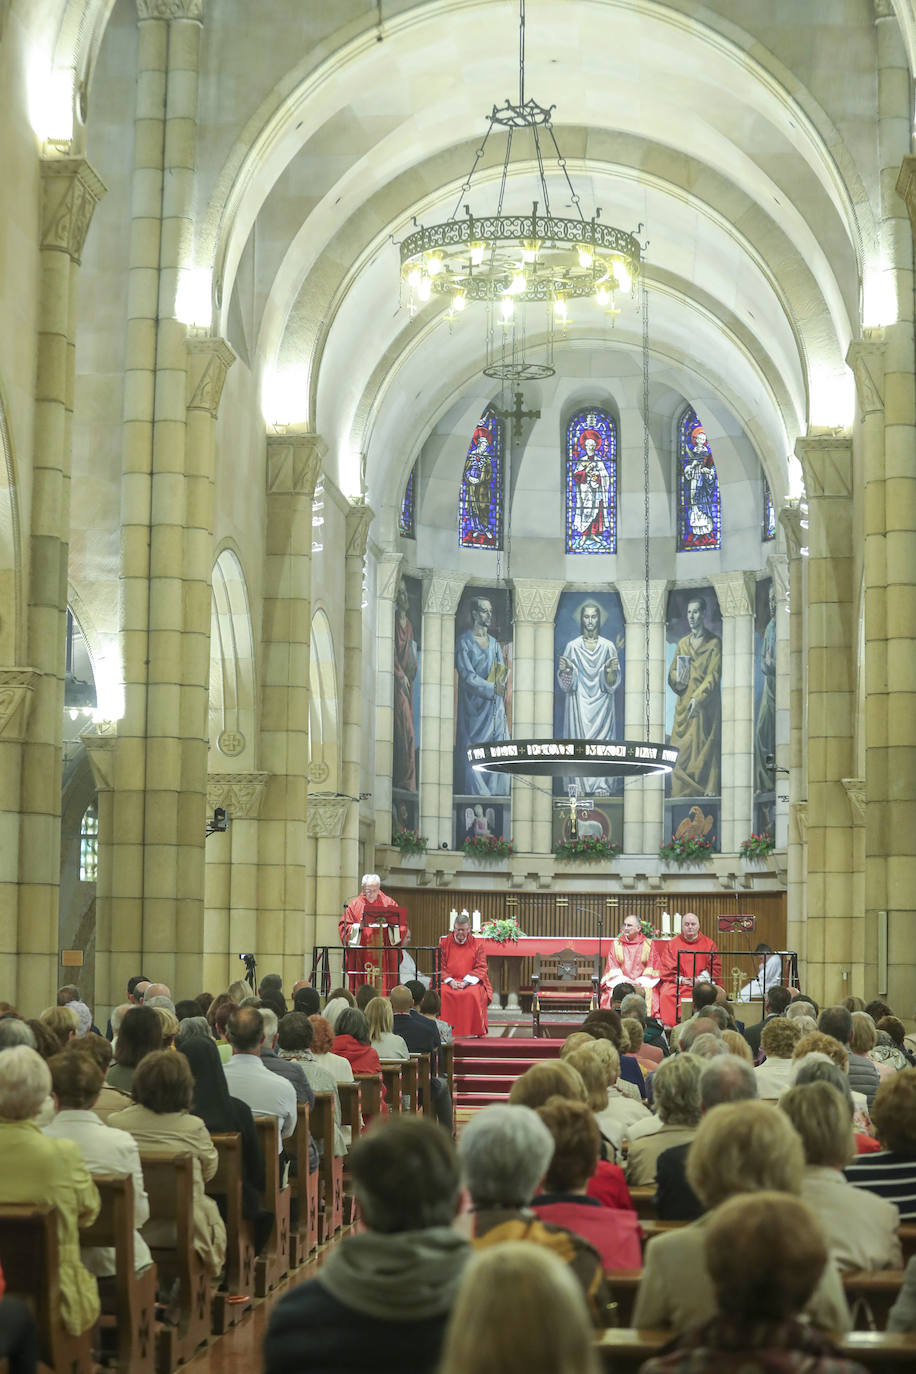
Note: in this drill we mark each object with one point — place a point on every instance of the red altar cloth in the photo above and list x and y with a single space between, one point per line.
376 957
465 1009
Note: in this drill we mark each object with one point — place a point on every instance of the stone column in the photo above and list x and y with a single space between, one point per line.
441 595
354 720
534 667
284 929
778 568
327 820
231 898
644 798
796 838
826 457
389 574
101 742
735 591
867 359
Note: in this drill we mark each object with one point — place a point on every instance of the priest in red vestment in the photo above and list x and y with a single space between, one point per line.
466 992
699 962
631 959
372 942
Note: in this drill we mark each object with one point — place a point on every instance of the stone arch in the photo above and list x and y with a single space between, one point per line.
232 700
11 610
324 709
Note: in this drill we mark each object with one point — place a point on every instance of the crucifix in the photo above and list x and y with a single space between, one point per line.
517 415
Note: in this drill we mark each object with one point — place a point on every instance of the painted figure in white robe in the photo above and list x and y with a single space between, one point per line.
588 674
591 518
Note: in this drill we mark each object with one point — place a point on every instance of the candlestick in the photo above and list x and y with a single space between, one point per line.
452 918
475 922
677 923
666 923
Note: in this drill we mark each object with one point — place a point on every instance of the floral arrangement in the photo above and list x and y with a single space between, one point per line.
687 851
650 931
587 847
488 847
409 841
757 846
503 931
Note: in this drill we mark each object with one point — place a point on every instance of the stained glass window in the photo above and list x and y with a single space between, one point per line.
406 518
89 844
591 483
480 501
769 514
699 523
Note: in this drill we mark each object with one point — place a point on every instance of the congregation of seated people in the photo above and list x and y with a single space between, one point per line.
721 1183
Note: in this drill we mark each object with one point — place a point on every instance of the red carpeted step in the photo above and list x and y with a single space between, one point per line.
470 1101
511 1068
468 1085
513 1047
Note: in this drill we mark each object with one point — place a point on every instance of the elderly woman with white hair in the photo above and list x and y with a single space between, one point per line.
373 930
676 1091
42 1172
740 1147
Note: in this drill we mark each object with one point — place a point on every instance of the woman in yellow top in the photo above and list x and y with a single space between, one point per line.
47 1173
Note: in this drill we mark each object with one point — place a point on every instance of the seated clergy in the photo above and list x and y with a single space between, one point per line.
466 992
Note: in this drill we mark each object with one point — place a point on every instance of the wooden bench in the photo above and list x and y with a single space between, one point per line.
871 1291
644 1199
169 1183
128 1299
330 1168
226 1185
424 1094
303 1184
908 1240
624 1284
391 1077
29 1256
624 1350
351 1115
272 1264
447 1069
370 1097
410 1080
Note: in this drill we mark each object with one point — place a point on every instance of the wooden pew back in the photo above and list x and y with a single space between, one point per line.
330 1169
226 1186
303 1233
169 1183
391 1077
128 1297
273 1262
31 1265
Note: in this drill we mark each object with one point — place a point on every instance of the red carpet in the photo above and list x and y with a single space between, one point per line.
485 1069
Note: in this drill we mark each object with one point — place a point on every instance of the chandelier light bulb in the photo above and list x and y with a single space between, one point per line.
413 279
478 251
622 275
530 251
425 289
518 284
434 266
586 257
602 295
506 308
459 302
559 308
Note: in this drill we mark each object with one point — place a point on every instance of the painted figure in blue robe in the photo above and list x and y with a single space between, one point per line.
482 676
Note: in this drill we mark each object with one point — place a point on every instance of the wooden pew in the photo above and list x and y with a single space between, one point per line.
423 1082
447 1068
226 1185
128 1298
303 1233
391 1077
410 1083
871 1291
370 1097
351 1115
169 1182
908 1240
29 1256
644 1199
272 1263
330 1169
623 1350
623 1284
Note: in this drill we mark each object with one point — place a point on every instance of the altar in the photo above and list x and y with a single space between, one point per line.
508 976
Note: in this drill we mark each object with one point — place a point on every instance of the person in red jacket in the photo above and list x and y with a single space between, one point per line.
351 1041
466 992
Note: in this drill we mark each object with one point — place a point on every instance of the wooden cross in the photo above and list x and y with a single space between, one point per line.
518 415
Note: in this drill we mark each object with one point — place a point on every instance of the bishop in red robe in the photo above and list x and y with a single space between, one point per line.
372 942
631 959
466 992
699 963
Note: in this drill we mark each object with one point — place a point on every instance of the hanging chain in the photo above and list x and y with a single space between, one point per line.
644 305
521 54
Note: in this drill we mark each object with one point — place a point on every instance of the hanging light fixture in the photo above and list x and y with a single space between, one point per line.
507 261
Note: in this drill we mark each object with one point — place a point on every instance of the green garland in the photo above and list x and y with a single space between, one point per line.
488 847
504 931
686 851
409 841
587 847
757 846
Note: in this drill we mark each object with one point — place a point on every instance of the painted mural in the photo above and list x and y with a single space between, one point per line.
405 759
764 706
693 711
483 690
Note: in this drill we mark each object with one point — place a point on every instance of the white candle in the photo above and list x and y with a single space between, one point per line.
677 923
666 923
475 919
452 918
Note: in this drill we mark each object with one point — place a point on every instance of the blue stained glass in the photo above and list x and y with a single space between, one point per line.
769 514
480 499
591 483
699 508
406 527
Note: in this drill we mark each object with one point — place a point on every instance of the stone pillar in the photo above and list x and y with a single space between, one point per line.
101 742
231 899
778 568
70 191
644 798
867 359
327 820
284 930
441 595
735 591
359 518
796 838
826 457
389 575
534 667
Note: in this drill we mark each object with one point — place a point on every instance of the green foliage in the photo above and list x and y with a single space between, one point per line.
686 851
757 846
587 847
409 841
503 931
488 847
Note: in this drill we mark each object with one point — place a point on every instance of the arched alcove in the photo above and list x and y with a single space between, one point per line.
324 714
232 669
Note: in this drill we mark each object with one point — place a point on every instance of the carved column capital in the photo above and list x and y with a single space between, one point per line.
16 688
736 592
866 357
209 361
826 459
359 518
388 575
70 191
442 593
536 601
327 815
294 464
855 792
101 742
633 600
171 9
906 187
790 517
778 568
239 794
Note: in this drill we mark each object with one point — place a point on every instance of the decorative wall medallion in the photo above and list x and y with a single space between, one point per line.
231 742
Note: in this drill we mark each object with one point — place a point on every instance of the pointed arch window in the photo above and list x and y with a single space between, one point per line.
769 513
89 844
699 523
480 499
591 482
407 514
